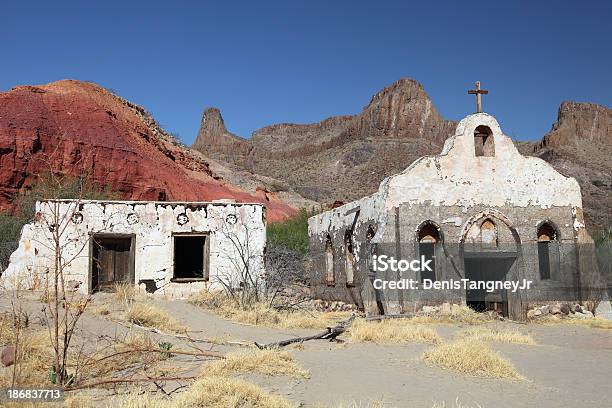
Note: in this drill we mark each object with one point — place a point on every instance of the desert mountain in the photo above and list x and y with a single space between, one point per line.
579 144
339 158
80 128
346 157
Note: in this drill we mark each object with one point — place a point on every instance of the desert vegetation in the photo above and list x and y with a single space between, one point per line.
472 358
291 234
487 334
391 331
456 314
211 392
264 313
593 323
267 362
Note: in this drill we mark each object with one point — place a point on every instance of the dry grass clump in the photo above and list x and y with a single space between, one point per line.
261 314
34 353
211 392
268 362
148 315
124 295
458 314
34 356
496 335
471 358
125 292
71 401
390 331
592 322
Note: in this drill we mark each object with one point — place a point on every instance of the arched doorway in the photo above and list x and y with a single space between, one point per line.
490 247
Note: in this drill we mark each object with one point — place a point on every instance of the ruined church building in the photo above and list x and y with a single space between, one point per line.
478 210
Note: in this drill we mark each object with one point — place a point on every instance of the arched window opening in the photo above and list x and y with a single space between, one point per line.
371 251
330 276
484 145
429 240
349 261
548 251
488 233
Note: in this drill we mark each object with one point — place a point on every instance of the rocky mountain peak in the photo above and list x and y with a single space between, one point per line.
407 87
214 136
323 160
578 123
212 121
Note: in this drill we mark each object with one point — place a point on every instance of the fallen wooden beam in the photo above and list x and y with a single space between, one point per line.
329 334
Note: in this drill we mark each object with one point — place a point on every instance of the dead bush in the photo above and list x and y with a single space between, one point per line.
391 331
268 362
149 315
263 314
471 358
496 335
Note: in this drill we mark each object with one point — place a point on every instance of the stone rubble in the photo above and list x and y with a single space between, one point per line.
575 311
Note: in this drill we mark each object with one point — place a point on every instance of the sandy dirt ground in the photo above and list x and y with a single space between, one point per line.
571 366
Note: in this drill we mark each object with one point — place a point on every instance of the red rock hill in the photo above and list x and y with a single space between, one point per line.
79 128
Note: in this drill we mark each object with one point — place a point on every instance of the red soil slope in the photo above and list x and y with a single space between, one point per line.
78 128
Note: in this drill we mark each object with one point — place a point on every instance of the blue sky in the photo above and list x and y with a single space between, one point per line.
267 62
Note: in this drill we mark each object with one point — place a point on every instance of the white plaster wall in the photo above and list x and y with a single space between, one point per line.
458 178
154 229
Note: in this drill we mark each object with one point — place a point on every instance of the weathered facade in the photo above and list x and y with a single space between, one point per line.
477 208
171 248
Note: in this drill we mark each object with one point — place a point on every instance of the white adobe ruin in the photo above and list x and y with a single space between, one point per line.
478 205
171 248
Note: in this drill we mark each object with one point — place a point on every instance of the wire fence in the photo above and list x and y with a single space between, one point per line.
6 249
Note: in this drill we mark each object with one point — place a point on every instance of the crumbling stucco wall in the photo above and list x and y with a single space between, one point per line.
455 190
153 224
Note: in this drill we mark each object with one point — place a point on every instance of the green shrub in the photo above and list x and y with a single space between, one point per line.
10 227
292 233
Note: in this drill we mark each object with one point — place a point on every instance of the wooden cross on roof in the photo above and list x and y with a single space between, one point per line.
478 92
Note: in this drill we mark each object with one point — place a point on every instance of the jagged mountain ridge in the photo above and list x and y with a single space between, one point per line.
579 144
346 157
323 161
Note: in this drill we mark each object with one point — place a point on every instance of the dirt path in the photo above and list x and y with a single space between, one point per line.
571 366
213 326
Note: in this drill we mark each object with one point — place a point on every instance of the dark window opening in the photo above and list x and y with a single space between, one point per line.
429 238
483 142
190 257
548 254
544 260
